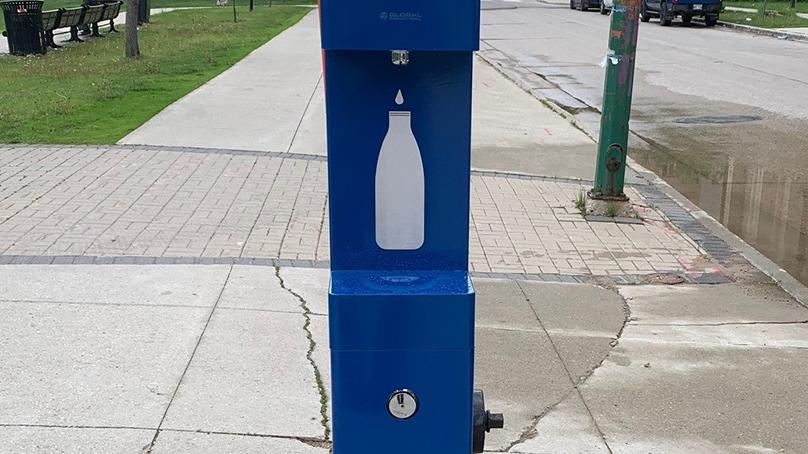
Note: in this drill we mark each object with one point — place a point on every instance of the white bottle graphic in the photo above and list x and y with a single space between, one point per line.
400 186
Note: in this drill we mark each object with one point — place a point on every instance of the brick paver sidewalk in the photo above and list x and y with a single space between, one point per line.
116 203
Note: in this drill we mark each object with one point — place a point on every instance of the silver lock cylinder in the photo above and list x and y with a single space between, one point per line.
402 404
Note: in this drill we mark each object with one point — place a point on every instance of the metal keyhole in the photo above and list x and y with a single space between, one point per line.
402 404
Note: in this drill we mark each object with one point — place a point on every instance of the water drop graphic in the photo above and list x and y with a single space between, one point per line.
399 98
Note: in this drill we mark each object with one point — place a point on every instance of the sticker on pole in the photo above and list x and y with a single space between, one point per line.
402 404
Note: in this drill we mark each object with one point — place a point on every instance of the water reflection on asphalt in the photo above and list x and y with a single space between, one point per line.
767 206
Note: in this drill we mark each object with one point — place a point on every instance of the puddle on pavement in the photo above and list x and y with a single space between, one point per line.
751 177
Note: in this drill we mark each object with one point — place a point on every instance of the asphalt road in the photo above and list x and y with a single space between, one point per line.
721 115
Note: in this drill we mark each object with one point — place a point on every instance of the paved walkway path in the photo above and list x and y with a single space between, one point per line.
258 104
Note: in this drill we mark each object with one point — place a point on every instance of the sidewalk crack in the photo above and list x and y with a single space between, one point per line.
318 377
575 383
530 432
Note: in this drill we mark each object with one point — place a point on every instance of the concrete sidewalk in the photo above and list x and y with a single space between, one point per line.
171 297
205 355
209 359
269 101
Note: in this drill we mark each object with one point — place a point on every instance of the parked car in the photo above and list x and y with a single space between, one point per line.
667 10
584 5
606 6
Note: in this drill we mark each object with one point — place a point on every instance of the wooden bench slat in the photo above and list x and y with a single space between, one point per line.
72 17
50 20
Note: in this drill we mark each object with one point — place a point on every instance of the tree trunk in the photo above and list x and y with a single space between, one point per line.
793 4
132 47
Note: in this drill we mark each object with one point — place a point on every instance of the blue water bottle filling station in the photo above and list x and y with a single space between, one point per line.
398 78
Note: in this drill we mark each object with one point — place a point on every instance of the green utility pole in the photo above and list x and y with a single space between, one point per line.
610 172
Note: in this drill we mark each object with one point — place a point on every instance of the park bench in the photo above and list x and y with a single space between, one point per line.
89 16
111 10
92 15
72 18
50 22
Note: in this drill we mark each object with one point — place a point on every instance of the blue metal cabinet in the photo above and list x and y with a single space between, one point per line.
398 79
446 25
402 331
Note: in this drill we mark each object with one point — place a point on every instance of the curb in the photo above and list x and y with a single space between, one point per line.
778 34
780 276
777 274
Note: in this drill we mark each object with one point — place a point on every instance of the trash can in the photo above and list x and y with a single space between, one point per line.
24 27
143 12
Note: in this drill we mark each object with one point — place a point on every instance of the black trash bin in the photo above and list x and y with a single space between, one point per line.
143 11
24 27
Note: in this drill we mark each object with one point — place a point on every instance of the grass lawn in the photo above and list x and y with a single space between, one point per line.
56 4
783 16
257 3
90 93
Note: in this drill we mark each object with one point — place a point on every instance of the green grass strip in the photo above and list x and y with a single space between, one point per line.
89 93
55 4
780 14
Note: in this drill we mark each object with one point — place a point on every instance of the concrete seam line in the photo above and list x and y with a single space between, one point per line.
190 360
695 278
75 426
307 157
308 440
315 442
305 110
170 148
575 384
93 303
